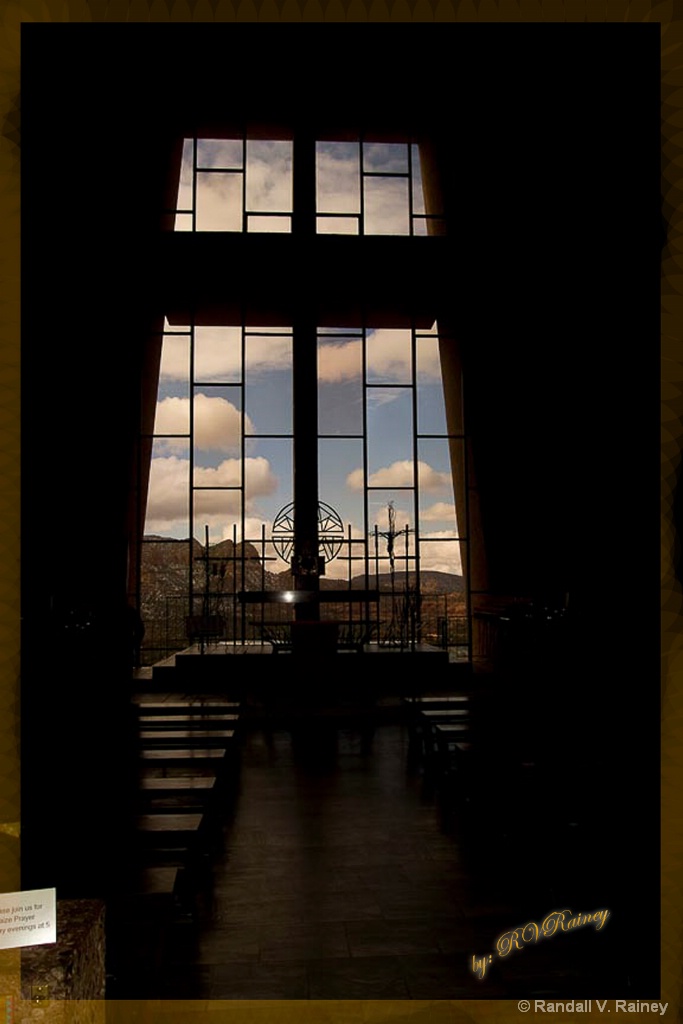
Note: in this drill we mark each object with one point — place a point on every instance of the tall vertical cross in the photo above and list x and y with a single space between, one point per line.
305 397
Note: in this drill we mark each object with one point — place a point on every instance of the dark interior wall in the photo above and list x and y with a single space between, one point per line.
554 192
549 137
543 143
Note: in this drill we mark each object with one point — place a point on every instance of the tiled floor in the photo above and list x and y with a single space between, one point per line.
344 875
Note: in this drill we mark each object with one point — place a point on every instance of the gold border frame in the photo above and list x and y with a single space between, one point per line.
15 12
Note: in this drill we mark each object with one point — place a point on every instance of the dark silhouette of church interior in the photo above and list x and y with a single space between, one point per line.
352 852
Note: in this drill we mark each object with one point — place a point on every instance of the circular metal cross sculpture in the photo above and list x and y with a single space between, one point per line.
330 532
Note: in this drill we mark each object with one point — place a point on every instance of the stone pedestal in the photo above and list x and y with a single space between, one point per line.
64 982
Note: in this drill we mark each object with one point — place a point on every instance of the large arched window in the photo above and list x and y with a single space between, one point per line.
224 443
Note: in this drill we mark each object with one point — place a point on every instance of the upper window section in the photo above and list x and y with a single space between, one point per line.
361 188
235 185
372 188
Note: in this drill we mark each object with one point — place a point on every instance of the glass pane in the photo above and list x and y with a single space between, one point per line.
269 224
386 206
267 330
218 354
418 192
337 178
435 484
172 414
175 359
217 509
269 482
389 356
443 608
340 385
340 480
219 202
268 374
217 500
351 332
220 153
379 504
183 222
169 490
390 437
348 565
337 225
217 423
431 409
443 556
269 176
274 565
185 188
385 157
164 584
397 533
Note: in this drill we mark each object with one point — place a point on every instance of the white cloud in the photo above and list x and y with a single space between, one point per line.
378 397
217 423
386 206
442 553
218 354
268 354
175 354
338 177
169 484
167 503
269 176
339 184
269 183
260 478
218 204
402 518
389 359
253 527
252 531
339 361
400 474
172 417
389 355
431 481
215 153
440 511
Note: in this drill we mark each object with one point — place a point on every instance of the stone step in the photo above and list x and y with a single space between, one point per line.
188 784
185 737
157 882
208 721
183 756
186 706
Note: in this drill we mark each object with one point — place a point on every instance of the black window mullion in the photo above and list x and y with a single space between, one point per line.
191 460
466 515
410 198
365 445
243 455
194 184
244 192
416 496
362 195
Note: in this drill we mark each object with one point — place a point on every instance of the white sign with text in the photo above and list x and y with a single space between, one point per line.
28 918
